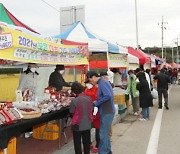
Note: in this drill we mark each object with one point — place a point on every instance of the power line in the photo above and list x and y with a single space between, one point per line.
50 5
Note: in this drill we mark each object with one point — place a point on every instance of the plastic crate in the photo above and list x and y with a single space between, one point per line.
128 104
46 132
11 146
119 99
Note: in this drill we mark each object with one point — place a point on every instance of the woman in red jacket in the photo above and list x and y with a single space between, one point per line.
92 91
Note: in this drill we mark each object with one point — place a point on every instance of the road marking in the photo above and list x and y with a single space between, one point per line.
154 138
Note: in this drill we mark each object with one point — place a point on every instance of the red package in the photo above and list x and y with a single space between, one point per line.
9 119
4 118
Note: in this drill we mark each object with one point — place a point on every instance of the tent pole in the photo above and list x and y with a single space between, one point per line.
107 54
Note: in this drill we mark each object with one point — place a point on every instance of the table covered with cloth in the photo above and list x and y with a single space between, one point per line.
14 129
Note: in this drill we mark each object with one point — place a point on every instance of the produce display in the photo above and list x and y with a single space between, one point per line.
56 100
29 113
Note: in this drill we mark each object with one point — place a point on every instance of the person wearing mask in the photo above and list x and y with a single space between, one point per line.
81 113
28 80
145 97
162 88
131 88
105 103
56 79
92 91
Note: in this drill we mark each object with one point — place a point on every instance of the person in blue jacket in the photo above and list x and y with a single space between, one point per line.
105 104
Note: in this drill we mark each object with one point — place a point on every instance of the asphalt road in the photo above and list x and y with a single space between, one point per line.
132 136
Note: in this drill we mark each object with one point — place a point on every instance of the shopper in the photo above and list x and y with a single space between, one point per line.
162 88
105 103
106 77
56 79
174 76
92 91
134 93
145 98
81 112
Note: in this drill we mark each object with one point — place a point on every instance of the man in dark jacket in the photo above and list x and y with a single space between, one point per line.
56 79
162 88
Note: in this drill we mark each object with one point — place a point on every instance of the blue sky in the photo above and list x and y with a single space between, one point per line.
111 19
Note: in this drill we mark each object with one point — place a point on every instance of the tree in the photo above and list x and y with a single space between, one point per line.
158 52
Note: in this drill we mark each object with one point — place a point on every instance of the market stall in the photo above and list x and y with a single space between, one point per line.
133 62
144 60
20 47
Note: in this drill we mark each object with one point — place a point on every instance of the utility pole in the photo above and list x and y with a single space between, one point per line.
137 43
162 24
177 53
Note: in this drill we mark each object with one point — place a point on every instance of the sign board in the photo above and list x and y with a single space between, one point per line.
117 60
19 46
70 15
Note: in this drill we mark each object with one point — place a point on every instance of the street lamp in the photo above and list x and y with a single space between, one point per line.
137 44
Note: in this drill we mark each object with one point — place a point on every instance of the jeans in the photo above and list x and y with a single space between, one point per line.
85 136
105 124
174 80
165 94
145 112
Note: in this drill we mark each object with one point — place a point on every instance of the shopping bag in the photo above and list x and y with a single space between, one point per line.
154 94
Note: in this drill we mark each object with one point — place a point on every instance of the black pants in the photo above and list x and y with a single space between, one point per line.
97 138
85 136
163 92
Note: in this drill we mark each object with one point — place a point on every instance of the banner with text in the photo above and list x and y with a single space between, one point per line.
19 46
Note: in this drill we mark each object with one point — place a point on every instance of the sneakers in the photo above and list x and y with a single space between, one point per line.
136 114
94 150
159 107
142 119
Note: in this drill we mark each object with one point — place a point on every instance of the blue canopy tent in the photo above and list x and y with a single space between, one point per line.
80 33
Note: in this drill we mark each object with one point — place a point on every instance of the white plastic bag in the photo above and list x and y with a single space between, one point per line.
154 94
95 111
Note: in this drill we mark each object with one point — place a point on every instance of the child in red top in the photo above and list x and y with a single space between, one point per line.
92 91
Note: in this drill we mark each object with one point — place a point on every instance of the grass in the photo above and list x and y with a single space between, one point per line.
8 87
